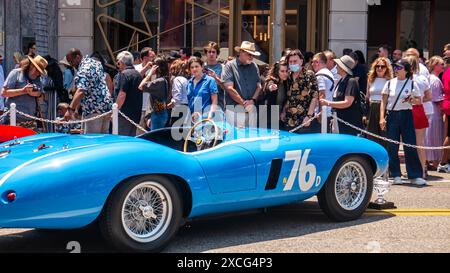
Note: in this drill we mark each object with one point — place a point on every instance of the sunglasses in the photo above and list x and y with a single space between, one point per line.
399 67
380 67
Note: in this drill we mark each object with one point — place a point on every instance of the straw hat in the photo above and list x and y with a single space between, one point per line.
346 63
248 47
64 62
40 63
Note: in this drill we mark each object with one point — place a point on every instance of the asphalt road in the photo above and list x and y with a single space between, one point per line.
420 224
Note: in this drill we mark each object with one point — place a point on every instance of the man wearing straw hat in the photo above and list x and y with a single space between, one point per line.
243 85
23 86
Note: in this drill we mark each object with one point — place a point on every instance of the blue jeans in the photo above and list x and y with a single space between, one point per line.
159 120
401 123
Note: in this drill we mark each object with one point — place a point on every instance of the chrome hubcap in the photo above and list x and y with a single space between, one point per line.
146 212
351 186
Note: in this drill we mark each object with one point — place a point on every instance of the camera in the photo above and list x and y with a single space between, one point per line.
37 88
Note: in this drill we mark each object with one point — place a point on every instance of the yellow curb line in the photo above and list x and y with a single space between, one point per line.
410 212
390 212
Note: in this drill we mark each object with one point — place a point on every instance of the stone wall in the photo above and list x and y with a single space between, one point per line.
2 31
348 25
25 22
13 31
75 26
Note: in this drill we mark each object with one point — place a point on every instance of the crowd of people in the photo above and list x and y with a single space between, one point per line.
401 96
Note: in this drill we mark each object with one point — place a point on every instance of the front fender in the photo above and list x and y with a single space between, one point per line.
69 190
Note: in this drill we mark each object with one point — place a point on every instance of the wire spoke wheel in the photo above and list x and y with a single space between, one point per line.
351 185
146 212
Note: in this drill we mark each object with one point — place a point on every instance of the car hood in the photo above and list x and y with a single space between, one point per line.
33 148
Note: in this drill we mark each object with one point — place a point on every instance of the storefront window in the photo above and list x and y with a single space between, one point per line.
162 25
125 25
211 22
296 23
415 24
256 26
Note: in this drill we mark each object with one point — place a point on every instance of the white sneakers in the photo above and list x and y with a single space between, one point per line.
419 182
416 181
397 181
443 168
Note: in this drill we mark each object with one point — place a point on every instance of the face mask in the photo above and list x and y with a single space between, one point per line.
294 67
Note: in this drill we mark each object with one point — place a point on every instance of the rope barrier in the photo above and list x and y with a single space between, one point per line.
390 140
132 122
304 124
58 122
291 131
4 115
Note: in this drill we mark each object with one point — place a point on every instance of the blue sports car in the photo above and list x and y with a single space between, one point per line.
141 190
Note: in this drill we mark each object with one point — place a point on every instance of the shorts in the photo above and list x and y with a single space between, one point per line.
420 118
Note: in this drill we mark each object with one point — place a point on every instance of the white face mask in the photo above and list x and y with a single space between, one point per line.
294 68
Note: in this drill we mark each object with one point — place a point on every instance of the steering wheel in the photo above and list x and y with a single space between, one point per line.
196 134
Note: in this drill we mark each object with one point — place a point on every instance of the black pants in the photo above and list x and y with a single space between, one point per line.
373 125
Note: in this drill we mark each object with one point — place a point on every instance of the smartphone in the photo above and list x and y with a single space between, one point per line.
406 99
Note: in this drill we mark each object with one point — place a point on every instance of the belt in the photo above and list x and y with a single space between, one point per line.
375 101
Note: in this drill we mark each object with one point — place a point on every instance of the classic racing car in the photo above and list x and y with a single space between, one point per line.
8 133
139 191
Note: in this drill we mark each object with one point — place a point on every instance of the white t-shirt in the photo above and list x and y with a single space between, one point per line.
326 84
393 88
423 84
424 70
179 90
376 88
145 96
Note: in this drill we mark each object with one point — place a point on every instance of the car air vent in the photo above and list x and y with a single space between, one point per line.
4 153
42 147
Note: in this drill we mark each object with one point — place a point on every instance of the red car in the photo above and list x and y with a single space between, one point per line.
8 133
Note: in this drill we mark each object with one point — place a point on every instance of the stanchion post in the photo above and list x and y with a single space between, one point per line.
115 119
324 120
12 115
335 123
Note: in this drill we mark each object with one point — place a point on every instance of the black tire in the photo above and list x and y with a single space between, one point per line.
113 228
327 197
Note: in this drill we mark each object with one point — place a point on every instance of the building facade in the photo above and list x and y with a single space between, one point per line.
110 26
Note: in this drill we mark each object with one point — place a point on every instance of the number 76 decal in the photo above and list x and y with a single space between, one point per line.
301 169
